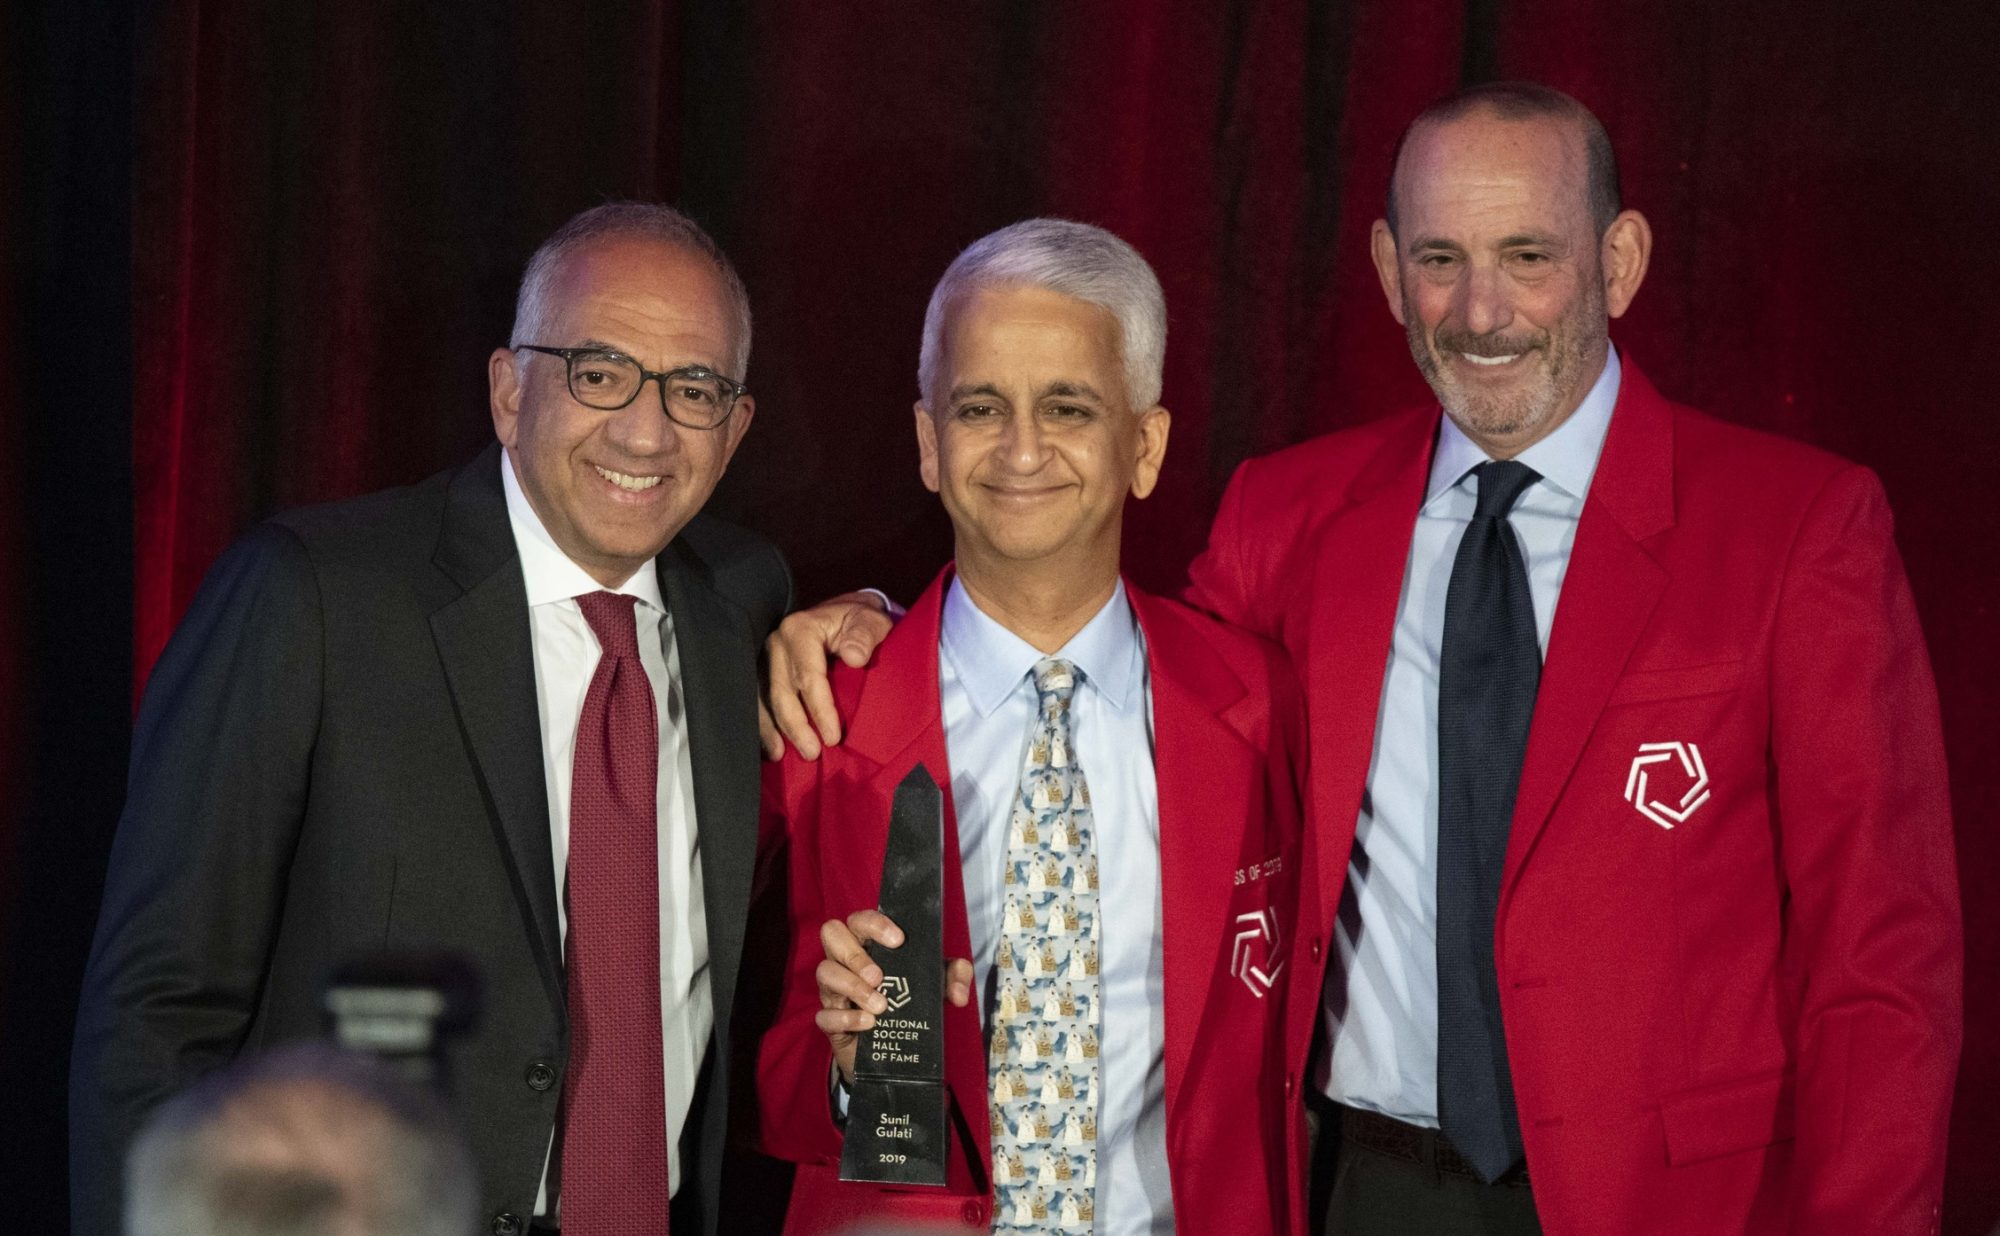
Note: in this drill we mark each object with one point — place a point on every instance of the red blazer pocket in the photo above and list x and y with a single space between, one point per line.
1723 1119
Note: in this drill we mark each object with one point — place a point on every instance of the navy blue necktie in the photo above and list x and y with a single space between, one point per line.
1490 667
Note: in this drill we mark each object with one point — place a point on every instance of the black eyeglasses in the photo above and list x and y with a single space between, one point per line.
693 395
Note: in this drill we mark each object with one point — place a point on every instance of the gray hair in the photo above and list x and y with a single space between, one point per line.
1074 259
644 220
308 1140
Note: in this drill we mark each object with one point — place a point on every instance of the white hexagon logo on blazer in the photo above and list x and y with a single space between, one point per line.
1257 940
1652 808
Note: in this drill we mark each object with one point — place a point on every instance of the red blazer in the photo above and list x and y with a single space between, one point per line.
1731 1013
1228 732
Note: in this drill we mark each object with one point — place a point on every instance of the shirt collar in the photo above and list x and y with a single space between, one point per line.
549 573
1566 458
990 661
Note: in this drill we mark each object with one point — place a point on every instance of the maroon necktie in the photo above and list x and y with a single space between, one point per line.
614 1163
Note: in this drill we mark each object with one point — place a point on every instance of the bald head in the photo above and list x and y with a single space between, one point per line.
1497 259
1595 167
305 1141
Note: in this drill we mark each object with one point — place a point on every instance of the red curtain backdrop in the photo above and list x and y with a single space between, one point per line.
331 204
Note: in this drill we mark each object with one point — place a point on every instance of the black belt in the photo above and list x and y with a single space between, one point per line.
1387 1136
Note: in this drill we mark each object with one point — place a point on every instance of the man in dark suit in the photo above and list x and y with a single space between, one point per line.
508 713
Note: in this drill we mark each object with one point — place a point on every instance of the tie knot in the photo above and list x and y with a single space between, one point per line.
1055 682
1500 486
612 620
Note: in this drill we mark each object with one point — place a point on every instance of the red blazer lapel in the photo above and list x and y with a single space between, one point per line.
1199 752
1358 579
1608 593
897 725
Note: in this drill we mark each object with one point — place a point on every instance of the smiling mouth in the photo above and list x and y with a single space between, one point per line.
1509 358
626 481
1017 492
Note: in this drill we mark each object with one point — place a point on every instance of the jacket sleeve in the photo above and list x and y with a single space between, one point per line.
794 1060
1227 579
220 766
1872 930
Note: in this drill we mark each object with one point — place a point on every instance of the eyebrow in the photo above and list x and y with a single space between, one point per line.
598 345
1071 390
966 392
1054 390
1519 240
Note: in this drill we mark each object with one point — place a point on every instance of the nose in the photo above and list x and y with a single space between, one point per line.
641 427
1024 444
1485 304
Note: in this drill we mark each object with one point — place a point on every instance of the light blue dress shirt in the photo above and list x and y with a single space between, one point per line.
988 703
1382 1023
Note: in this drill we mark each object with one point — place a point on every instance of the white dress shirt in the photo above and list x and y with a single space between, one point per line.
1383 1023
566 655
988 701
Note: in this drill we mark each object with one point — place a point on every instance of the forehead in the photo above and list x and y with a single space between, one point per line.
640 293
992 330
1480 172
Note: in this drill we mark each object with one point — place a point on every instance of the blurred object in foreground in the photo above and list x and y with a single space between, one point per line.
308 1140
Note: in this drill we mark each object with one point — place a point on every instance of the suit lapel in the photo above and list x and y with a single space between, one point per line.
1357 583
718 659
486 646
1608 593
1199 751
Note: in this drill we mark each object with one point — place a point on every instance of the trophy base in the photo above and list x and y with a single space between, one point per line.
895 1133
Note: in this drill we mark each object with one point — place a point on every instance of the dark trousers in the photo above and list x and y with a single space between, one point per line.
1361 1189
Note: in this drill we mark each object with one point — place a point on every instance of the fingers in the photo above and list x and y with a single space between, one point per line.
800 696
816 693
841 990
782 652
875 925
958 981
768 737
843 948
862 630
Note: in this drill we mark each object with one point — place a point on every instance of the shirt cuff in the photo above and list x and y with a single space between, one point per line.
838 1097
895 611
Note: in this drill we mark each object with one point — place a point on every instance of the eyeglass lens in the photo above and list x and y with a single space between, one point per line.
611 382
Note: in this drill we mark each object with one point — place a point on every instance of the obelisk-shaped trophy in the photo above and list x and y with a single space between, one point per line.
896 1111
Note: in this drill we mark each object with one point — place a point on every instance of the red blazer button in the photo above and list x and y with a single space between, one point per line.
974 1213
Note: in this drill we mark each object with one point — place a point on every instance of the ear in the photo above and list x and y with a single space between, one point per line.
1625 252
503 394
1154 423
927 446
1382 248
739 424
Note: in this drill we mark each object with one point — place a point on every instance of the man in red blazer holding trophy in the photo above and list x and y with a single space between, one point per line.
1120 814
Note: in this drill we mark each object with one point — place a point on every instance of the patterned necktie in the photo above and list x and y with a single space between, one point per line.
1489 670
1043 1071
614 1148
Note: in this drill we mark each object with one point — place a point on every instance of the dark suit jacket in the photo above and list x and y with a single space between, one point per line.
339 752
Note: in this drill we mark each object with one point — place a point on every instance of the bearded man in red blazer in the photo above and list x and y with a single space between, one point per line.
1716 979
1121 939
1630 901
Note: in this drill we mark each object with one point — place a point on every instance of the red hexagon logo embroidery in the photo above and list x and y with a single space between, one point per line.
1658 812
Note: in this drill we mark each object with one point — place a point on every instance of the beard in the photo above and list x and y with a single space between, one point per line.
1556 360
